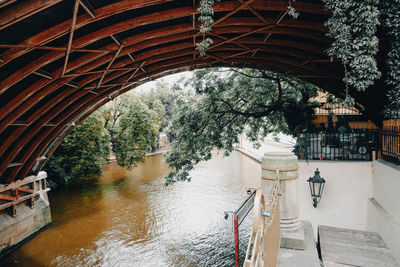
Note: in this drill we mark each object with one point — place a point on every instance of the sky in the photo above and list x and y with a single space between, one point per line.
170 79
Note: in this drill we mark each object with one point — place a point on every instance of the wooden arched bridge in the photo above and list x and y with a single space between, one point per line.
61 60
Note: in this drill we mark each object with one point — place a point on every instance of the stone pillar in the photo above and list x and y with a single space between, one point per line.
292 232
25 213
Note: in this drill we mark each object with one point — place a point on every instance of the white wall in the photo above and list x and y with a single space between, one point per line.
384 207
344 201
386 184
357 195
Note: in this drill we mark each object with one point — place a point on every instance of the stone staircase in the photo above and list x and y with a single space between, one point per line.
344 247
338 247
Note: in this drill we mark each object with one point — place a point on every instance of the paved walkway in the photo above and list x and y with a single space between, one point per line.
345 247
301 258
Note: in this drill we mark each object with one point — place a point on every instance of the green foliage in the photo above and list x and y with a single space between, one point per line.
162 99
206 18
291 11
353 27
203 46
232 102
81 153
126 125
391 16
133 130
206 12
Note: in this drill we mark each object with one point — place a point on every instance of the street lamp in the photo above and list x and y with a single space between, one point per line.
316 187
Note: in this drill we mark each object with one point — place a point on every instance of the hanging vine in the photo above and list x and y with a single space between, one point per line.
206 18
391 18
353 27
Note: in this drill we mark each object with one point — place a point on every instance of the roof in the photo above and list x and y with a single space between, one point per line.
61 60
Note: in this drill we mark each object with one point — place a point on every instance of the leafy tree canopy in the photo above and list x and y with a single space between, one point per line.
230 102
126 126
133 131
81 153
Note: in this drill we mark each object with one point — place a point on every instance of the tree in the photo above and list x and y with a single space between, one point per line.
81 153
232 102
133 129
126 126
168 97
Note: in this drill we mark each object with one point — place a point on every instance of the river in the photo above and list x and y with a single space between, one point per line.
129 218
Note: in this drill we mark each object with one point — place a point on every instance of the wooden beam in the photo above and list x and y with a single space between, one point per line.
72 84
26 190
14 164
131 57
116 39
19 123
51 48
49 76
6 197
133 74
238 37
254 12
22 10
235 55
41 158
109 66
4 3
71 36
232 12
276 23
44 74
96 71
219 59
230 41
88 7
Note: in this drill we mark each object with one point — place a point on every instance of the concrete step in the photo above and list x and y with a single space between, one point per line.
301 258
345 247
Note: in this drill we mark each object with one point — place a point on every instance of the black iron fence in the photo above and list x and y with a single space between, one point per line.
389 141
356 144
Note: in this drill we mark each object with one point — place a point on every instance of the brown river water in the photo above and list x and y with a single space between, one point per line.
129 218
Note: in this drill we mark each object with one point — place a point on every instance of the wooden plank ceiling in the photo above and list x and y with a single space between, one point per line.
61 60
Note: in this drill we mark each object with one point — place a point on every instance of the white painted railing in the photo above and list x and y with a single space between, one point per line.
264 243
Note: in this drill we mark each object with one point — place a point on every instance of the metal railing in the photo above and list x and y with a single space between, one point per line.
357 144
390 145
264 243
238 216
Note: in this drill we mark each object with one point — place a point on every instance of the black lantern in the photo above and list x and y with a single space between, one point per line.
316 187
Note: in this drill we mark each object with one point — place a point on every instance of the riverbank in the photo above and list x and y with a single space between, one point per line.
158 152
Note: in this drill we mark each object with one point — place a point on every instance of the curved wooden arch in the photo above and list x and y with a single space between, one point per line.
29 91
114 45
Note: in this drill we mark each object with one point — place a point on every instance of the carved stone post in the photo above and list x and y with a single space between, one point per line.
292 232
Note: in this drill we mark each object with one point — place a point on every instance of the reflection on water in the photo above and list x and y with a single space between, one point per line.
130 219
